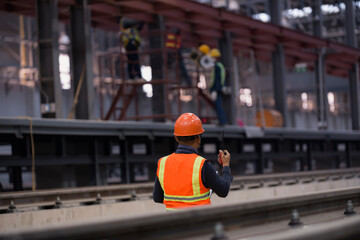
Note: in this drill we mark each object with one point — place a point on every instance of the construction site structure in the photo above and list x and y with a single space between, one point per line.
270 66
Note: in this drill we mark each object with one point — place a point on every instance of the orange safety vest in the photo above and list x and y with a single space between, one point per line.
173 41
180 178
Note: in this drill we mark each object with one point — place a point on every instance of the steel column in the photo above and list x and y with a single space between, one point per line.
353 73
260 160
157 68
82 58
96 170
278 61
48 37
321 90
16 178
125 167
227 58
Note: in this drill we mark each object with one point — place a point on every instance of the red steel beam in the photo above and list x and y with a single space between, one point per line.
236 28
110 28
342 57
140 16
307 56
105 8
192 6
344 49
22 3
249 22
266 57
204 20
105 20
337 72
67 2
261 35
242 41
264 47
209 33
182 26
301 37
339 64
172 13
138 5
292 44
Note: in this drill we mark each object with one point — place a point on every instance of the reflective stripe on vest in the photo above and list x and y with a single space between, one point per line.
173 41
161 171
130 34
222 74
197 196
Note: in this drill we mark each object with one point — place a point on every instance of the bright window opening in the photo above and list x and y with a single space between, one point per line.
245 97
331 101
64 69
304 100
202 82
146 73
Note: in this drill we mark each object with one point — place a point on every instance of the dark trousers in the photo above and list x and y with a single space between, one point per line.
219 109
183 70
133 61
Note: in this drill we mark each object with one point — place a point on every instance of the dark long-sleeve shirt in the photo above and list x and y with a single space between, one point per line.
219 184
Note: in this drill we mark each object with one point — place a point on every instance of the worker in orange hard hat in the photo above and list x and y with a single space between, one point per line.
185 179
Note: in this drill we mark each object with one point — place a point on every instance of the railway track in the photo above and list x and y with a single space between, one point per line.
55 198
231 220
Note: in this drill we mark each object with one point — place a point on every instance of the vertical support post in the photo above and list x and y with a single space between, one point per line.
354 72
227 58
48 37
348 155
157 68
126 165
278 61
309 156
260 161
321 90
17 178
101 85
82 58
96 163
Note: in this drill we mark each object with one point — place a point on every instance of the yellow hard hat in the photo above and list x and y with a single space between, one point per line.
204 48
215 52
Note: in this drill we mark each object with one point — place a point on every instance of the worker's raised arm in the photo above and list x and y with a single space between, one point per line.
219 184
225 158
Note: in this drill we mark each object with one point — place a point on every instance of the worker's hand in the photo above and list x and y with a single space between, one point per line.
213 95
224 157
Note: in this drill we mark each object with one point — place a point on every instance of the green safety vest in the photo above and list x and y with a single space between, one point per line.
130 34
222 74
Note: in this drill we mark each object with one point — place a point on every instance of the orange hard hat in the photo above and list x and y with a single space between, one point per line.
188 124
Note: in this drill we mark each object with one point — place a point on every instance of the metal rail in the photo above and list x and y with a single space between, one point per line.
200 221
46 199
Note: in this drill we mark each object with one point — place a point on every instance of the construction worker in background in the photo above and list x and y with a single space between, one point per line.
173 43
217 84
131 40
184 178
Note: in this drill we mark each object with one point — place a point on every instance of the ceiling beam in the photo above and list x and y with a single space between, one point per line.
204 20
138 5
106 8
193 7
